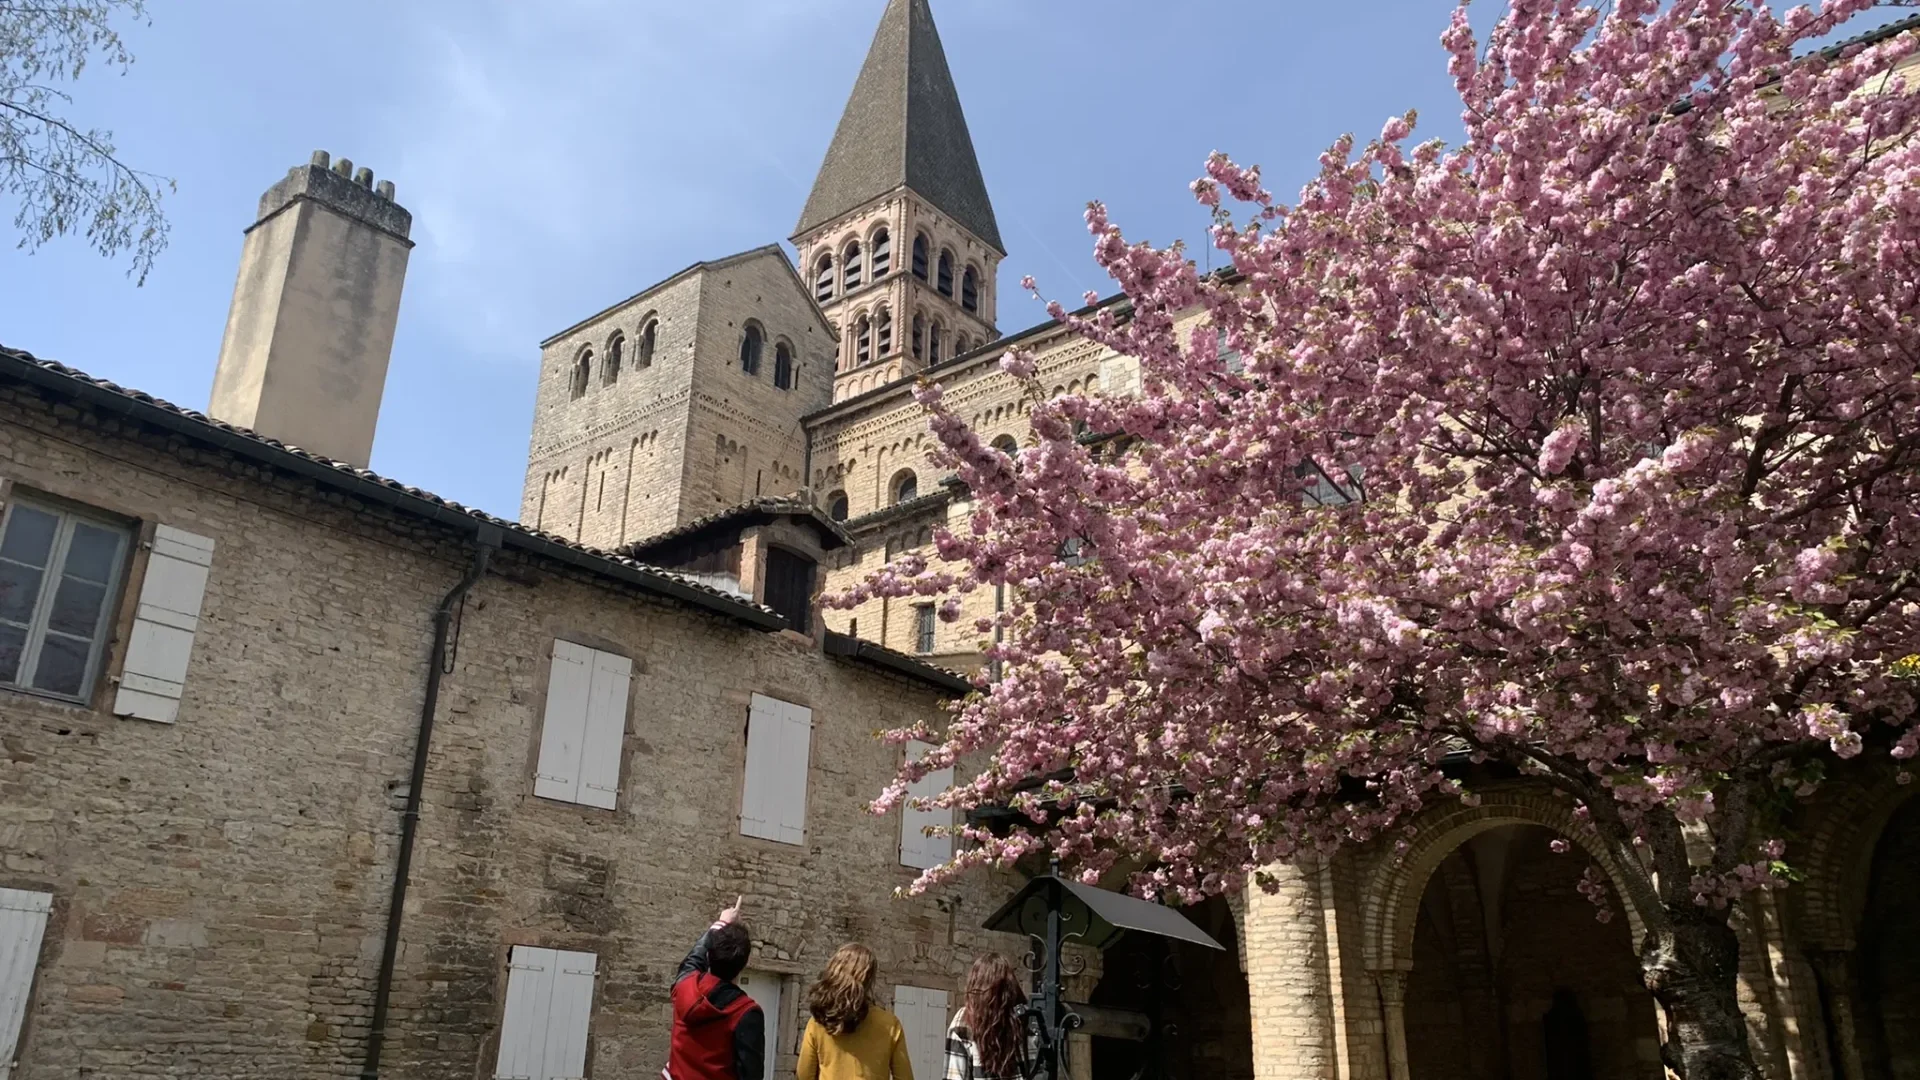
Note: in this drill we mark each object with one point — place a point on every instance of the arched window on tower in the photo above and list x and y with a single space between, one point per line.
919 342
945 282
882 254
905 486
883 333
751 344
920 256
850 261
783 366
582 373
970 290
616 351
862 342
933 344
649 335
837 506
1006 445
823 278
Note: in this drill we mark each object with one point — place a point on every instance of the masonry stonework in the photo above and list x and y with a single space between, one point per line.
219 883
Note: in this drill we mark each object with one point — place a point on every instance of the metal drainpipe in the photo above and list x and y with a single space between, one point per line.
487 541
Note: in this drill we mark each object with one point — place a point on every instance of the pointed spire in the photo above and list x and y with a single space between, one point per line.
904 126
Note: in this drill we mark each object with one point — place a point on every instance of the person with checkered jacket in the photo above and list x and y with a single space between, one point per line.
985 1041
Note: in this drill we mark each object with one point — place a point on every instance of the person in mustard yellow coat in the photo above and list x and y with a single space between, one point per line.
850 1037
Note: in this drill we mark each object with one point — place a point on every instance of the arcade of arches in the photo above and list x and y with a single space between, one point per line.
1472 952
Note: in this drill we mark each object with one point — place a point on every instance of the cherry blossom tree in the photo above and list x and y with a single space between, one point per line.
1590 447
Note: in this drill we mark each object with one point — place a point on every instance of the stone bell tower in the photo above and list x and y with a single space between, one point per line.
898 241
304 359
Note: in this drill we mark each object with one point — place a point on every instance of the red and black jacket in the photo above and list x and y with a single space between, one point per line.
719 1033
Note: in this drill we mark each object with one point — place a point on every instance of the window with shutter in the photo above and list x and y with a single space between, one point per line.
543 1033
59 572
583 731
154 674
23 920
767 991
790 588
923 1019
917 849
773 801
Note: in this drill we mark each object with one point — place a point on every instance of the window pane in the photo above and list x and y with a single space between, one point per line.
29 536
76 607
63 665
90 555
19 588
13 642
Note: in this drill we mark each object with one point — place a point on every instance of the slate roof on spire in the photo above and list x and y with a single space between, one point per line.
904 127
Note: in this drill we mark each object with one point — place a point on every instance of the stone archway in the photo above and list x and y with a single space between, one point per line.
1851 919
1394 897
1515 978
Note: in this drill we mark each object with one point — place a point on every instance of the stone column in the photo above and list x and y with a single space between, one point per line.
1393 1004
1288 977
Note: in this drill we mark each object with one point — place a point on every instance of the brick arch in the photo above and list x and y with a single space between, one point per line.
1393 889
1840 848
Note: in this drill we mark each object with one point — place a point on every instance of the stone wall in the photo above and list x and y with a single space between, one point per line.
220 883
689 432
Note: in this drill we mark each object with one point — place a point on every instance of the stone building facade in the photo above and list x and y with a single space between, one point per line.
1471 955
204 793
216 885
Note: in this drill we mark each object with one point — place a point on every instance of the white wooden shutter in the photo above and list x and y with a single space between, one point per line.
523 1028
605 730
923 1019
563 734
763 761
155 671
917 849
569 1015
23 919
766 991
796 743
543 1034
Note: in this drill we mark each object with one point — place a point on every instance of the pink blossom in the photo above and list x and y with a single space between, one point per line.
1627 395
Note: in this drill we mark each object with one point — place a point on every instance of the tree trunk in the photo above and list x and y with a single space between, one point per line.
1693 969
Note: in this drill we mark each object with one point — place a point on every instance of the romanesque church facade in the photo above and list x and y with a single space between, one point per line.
308 773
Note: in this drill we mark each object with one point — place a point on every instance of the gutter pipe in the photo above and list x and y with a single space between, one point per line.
487 541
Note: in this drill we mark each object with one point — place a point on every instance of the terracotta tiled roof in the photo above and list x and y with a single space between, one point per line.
779 506
953 682
58 379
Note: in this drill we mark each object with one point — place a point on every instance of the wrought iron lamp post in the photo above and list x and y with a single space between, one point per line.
1051 912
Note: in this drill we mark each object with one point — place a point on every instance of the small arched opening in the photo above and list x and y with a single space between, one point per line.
783 373
823 278
753 342
582 373
850 263
905 487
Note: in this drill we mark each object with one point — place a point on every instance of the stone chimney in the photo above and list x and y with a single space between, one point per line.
304 360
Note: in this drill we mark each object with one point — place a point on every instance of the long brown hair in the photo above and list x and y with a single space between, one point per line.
839 1001
993 996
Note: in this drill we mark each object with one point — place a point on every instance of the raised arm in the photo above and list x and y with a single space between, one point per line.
697 959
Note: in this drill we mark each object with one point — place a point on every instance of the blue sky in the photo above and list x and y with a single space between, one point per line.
561 155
